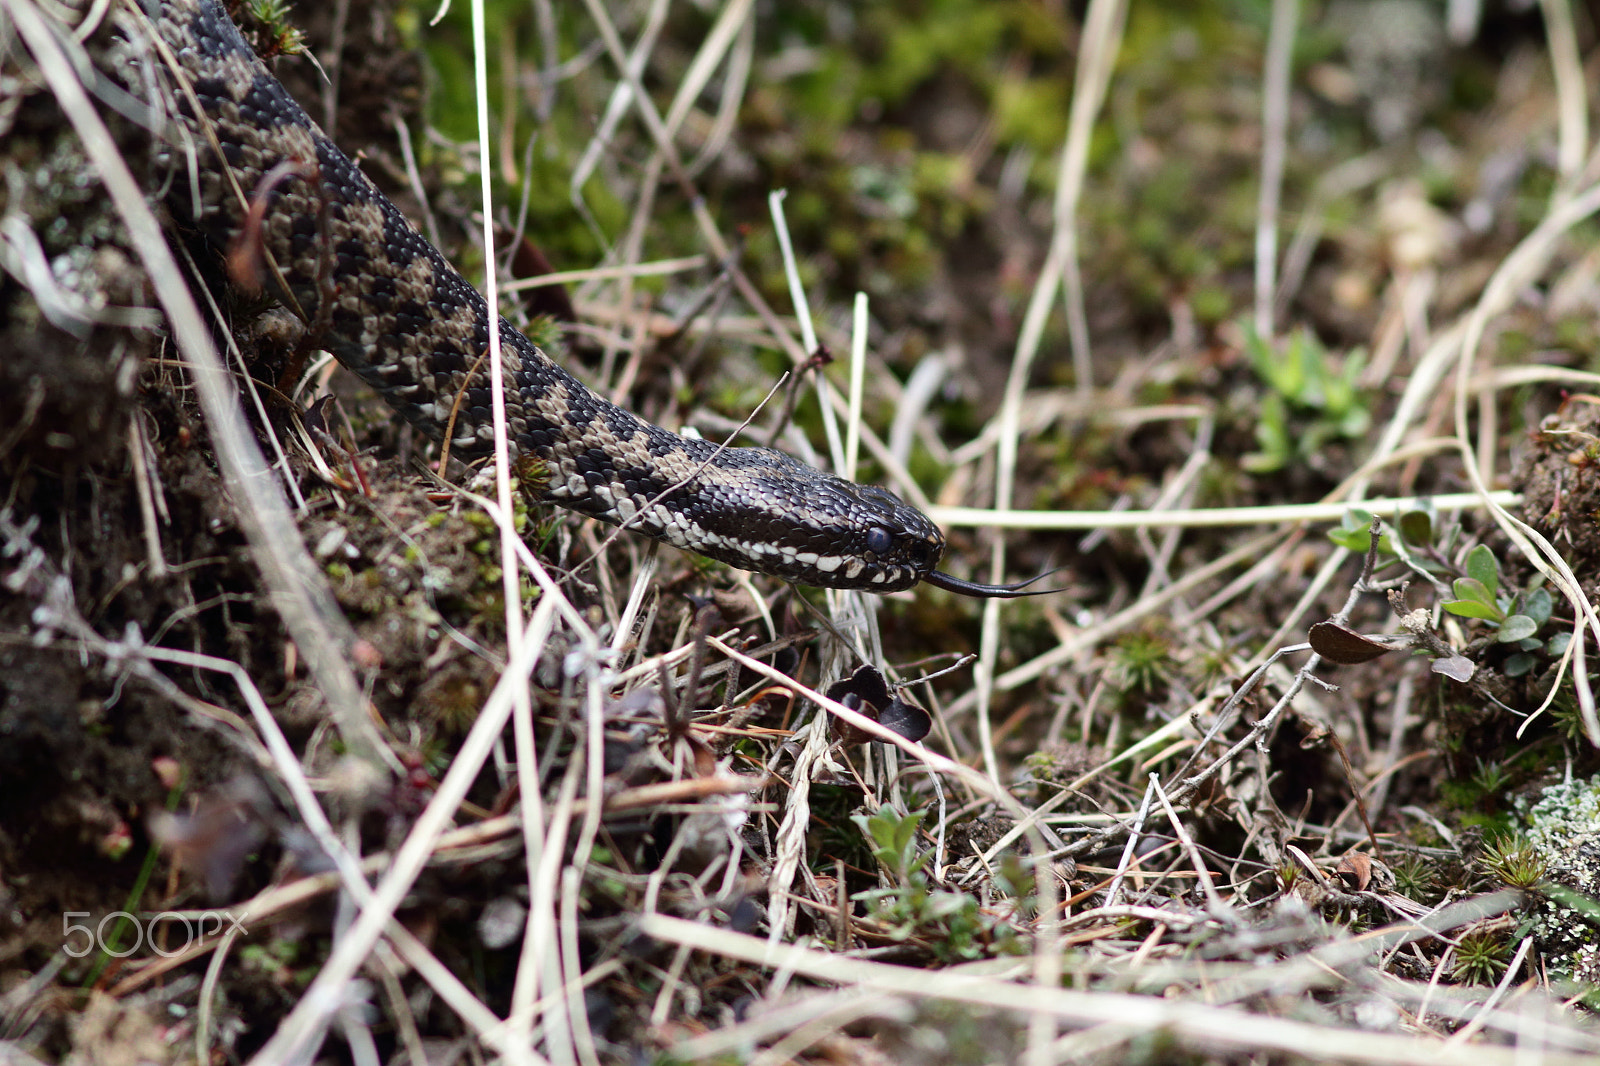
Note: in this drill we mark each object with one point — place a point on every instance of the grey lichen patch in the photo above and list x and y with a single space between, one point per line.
1564 828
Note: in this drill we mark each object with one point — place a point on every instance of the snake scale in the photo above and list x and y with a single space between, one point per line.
383 301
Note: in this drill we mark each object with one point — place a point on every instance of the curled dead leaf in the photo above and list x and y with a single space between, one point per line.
868 692
1355 871
1340 644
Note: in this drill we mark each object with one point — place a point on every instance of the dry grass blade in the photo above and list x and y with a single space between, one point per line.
1219 1028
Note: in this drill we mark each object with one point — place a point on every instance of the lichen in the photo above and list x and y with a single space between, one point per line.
1564 827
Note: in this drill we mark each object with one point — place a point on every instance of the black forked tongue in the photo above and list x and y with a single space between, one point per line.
940 580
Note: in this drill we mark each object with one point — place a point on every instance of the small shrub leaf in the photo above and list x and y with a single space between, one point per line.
1517 627
1417 528
1340 644
1472 609
1456 668
1539 605
1356 540
1482 566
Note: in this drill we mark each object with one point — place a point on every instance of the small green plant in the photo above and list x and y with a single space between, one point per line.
1141 661
1491 777
279 36
949 924
1480 958
1565 712
1415 540
1518 618
1513 859
894 841
1413 877
1309 401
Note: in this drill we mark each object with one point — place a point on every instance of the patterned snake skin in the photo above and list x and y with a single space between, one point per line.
389 307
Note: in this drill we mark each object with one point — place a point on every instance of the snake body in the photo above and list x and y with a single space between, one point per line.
384 301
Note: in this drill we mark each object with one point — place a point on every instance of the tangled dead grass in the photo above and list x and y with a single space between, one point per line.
428 776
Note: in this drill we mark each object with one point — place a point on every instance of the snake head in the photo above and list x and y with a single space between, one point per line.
762 510
890 546
778 516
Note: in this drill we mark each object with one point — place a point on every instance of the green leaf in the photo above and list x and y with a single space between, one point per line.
1472 609
1354 422
1356 540
1517 627
1482 565
1417 527
1538 606
1470 588
1518 665
1557 645
906 831
1272 434
1355 530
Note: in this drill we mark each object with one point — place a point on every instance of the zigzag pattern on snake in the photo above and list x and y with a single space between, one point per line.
388 306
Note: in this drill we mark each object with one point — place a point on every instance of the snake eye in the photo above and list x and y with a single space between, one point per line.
879 541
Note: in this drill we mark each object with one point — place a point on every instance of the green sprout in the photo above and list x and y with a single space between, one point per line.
280 36
1518 618
1308 401
950 924
1513 859
1414 877
1480 958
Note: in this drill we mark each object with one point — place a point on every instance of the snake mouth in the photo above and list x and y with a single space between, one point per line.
941 580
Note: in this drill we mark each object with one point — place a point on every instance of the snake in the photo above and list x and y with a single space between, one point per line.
249 165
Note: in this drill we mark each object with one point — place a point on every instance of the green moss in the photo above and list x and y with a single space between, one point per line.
1034 111
1213 304
565 236
945 34
1141 660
